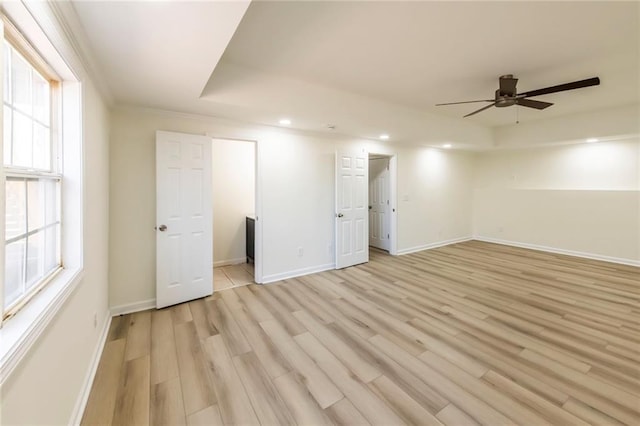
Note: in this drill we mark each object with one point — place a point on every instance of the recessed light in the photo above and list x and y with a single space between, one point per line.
446 145
285 121
592 140
384 137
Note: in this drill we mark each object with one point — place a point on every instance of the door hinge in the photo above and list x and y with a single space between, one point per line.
387 202
387 236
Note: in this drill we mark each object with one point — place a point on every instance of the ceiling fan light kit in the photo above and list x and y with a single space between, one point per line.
506 95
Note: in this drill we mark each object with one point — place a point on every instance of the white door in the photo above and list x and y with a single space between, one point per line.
184 235
379 203
352 239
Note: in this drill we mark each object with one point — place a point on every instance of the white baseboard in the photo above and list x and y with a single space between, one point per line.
229 262
133 307
433 245
623 261
83 397
297 273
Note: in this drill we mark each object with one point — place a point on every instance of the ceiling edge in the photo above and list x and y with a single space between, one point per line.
68 23
604 124
236 122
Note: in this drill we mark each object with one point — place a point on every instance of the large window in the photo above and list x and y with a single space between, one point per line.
32 178
41 259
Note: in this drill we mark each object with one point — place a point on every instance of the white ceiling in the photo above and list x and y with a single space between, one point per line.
366 67
155 53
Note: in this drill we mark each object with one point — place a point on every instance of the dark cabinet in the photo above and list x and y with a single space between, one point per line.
251 238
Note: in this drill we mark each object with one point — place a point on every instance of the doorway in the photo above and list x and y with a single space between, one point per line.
353 214
234 208
380 202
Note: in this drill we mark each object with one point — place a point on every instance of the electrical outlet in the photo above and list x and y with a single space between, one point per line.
300 252
95 319
500 229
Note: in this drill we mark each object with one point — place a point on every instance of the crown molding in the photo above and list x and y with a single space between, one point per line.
60 22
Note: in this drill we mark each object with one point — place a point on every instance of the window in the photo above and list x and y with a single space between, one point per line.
41 260
32 177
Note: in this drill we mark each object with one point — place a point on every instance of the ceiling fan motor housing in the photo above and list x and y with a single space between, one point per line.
504 100
506 94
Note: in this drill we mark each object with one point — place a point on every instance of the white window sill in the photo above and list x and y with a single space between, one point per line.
19 333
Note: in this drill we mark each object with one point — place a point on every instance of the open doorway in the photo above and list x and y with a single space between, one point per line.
382 203
234 212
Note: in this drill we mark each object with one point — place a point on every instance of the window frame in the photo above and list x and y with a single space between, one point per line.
38 23
11 309
22 47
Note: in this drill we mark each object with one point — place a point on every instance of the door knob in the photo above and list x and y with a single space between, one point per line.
162 228
340 215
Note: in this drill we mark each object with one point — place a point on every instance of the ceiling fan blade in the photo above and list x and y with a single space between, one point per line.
533 103
480 110
508 85
594 81
467 102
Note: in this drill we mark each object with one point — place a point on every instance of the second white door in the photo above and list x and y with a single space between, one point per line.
352 231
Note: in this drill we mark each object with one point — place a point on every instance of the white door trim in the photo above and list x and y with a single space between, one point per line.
379 204
258 273
393 200
393 197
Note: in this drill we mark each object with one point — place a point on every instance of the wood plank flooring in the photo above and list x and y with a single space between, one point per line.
472 333
229 276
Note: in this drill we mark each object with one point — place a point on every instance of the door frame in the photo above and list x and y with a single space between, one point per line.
257 260
393 199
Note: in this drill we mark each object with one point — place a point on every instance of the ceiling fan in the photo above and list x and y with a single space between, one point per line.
506 95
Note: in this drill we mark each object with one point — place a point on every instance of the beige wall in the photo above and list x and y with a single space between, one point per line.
46 385
585 166
581 198
434 197
233 171
296 174
605 123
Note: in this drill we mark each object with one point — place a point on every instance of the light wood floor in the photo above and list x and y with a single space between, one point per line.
225 277
472 333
